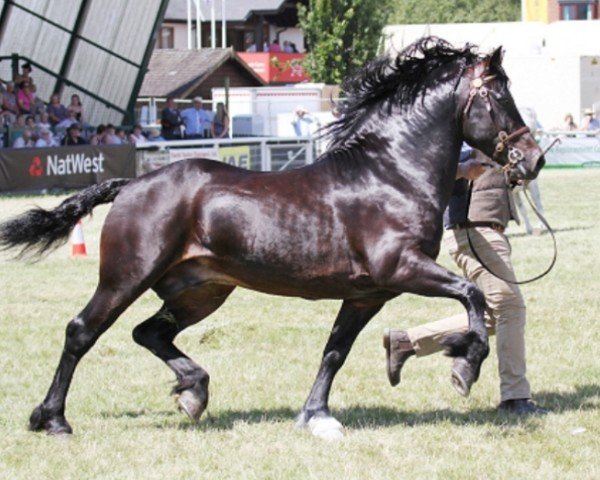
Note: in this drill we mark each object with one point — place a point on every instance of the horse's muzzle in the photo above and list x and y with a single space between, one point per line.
533 173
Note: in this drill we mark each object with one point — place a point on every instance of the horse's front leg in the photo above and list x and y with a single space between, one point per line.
419 274
351 319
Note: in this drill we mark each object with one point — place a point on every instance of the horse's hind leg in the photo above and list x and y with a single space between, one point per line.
351 319
158 332
82 332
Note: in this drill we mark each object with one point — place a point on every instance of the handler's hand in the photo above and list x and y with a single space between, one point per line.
471 169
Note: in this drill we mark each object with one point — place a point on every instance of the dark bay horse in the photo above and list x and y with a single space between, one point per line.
363 224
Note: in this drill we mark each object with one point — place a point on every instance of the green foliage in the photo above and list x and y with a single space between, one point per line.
461 11
341 35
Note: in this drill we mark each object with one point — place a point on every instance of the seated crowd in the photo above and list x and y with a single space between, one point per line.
39 124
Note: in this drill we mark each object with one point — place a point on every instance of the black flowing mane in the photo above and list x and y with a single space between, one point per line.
396 81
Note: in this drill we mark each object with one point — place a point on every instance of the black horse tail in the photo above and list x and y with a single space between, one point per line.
39 231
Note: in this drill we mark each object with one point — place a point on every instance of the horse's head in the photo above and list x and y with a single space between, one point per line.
491 122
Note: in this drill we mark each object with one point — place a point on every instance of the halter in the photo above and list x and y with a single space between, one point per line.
504 140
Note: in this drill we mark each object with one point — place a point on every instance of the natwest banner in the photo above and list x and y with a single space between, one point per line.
64 167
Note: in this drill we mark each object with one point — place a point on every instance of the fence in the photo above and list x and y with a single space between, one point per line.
576 149
265 153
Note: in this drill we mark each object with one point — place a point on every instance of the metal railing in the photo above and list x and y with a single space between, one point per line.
262 154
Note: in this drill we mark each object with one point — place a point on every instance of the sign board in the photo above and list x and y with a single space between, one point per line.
277 67
30 169
573 151
176 154
238 156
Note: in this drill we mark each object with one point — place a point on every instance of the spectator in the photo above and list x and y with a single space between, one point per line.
287 46
73 136
57 111
98 137
569 123
170 120
293 47
25 97
25 140
137 136
302 121
590 122
155 136
220 124
46 139
121 135
530 118
44 121
10 106
197 120
30 122
110 136
76 108
21 120
67 121
250 43
26 77
274 47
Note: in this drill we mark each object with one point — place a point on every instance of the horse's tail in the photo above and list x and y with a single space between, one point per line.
39 231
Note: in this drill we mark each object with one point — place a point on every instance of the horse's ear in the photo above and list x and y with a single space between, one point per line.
496 58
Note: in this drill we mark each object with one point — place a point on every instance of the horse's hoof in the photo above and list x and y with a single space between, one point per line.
190 403
327 428
462 376
37 420
60 428
41 420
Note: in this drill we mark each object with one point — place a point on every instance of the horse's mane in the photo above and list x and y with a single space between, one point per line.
397 81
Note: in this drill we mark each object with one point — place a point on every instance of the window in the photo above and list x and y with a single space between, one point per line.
578 10
166 37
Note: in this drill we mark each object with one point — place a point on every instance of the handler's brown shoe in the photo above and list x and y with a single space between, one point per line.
397 350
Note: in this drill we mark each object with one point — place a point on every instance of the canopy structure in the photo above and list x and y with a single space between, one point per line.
189 73
98 49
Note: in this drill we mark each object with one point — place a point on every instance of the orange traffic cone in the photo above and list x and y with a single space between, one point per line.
77 241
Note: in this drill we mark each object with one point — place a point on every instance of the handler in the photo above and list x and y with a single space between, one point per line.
490 210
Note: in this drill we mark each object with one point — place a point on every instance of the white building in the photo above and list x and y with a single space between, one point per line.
554 68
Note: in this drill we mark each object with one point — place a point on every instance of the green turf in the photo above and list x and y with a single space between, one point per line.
263 352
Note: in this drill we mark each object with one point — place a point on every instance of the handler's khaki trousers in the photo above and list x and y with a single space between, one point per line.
505 315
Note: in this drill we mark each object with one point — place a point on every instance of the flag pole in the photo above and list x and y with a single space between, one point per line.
213 25
189 24
223 25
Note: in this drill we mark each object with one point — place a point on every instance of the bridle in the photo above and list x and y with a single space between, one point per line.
504 140
515 157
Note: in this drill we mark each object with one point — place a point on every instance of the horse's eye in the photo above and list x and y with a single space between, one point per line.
501 99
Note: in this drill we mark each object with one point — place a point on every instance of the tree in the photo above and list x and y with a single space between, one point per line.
451 11
341 35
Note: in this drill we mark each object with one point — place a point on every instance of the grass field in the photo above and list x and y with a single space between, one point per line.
263 352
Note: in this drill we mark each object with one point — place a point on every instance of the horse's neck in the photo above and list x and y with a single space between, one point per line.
423 145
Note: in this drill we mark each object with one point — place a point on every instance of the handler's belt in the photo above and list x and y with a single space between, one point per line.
493 225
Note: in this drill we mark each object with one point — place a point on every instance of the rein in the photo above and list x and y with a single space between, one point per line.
544 222
515 157
504 140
